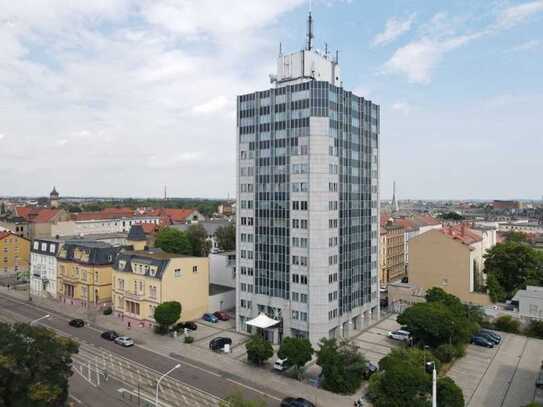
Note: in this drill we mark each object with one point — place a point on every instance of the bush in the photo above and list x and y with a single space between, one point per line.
506 323
258 350
445 353
188 339
107 311
460 350
535 329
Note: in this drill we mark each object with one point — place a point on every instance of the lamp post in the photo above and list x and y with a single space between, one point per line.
434 381
39 319
160 379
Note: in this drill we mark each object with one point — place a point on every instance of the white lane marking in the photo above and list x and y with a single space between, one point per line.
253 389
76 399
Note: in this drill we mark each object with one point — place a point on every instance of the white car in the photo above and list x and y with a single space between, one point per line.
125 341
281 364
400 335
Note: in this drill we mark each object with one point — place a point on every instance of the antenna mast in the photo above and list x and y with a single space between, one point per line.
309 29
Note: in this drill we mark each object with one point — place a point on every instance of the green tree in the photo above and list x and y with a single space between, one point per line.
412 356
167 314
35 365
535 329
449 394
298 351
237 400
197 236
173 241
342 365
507 323
258 350
226 237
518 237
513 265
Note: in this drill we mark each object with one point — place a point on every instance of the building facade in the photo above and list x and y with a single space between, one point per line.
84 272
43 267
144 279
14 254
307 200
392 261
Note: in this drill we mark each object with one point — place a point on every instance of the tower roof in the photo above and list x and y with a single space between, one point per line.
54 192
136 233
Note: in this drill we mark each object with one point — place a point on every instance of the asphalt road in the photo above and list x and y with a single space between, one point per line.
211 384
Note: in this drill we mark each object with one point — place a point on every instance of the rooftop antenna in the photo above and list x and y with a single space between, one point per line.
326 48
309 29
337 56
165 194
280 49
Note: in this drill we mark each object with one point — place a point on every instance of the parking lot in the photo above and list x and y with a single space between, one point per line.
504 376
374 343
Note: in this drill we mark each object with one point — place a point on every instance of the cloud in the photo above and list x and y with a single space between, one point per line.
514 15
217 104
394 28
2 136
402 107
527 46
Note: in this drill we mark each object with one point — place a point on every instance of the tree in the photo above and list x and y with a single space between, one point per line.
173 241
226 237
342 365
518 237
451 216
237 400
298 351
166 314
535 329
506 323
449 394
258 350
197 236
513 265
35 365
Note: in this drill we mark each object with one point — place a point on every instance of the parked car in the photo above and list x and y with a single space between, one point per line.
77 323
125 341
490 338
222 316
281 365
359 402
491 333
191 326
400 335
218 343
210 318
109 335
370 369
480 341
296 402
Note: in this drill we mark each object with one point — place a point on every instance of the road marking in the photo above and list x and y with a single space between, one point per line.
76 399
253 389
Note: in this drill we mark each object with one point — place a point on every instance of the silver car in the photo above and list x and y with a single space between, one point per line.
125 341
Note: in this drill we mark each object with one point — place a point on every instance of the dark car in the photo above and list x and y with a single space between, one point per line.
77 323
110 335
191 326
218 343
480 341
491 333
222 316
489 337
370 369
296 402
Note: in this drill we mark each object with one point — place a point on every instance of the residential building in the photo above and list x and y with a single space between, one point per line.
14 254
43 267
392 261
84 272
529 302
222 268
307 202
33 222
450 258
143 279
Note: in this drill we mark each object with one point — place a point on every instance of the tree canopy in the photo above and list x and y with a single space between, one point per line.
166 314
173 241
197 236
342 365
258 349
35 365
226 237
298 351
510 266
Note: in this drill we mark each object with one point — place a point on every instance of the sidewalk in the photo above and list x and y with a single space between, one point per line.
231 367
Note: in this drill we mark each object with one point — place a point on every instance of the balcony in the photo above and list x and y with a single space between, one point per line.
70 279
129 295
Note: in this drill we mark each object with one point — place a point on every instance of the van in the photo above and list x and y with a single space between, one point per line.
400 335
281 365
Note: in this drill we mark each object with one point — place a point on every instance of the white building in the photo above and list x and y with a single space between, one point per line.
307 202
96 224
530 302
222 269
43 267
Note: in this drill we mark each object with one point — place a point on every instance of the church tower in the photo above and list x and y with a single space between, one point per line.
54 199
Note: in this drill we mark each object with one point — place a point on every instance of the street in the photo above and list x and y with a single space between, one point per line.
138 368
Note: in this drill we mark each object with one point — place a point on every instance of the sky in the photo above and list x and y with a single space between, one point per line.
122 97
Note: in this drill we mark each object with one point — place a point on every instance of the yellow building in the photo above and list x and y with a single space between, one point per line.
143 279
392 253
14 253
452 259
84 272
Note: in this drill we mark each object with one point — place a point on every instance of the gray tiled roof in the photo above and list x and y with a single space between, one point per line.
100 253
136 233
154 257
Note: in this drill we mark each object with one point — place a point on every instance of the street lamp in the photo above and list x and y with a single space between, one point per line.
432 365
39 319
160 379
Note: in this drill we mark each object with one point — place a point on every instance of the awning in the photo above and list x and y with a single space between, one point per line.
262 321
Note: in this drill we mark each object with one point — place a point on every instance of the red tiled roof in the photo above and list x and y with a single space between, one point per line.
406 223
4 234
119 211
462 233
172 215
36 215
426 220
149 228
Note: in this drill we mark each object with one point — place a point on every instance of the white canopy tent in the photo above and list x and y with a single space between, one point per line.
262 321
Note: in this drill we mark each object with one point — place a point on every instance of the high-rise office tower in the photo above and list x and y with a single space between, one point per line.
308 202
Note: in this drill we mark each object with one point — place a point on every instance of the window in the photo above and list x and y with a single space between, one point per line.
152 292
303 298
303 280
295 296
295 278
177 272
